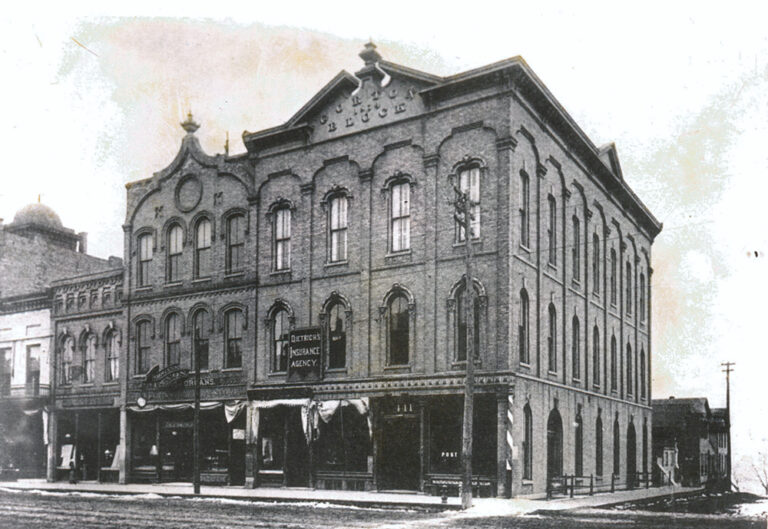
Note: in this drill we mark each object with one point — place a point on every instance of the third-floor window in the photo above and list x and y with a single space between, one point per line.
175 242
283 239
203 248
401 216
469 182
235 243
338 229
145 259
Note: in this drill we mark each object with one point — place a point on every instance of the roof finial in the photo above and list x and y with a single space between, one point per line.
226 145
189 125
38 198
369 54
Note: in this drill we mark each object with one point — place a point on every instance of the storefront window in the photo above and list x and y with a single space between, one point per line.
344 443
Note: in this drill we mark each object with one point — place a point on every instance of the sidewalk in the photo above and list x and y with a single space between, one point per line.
481 507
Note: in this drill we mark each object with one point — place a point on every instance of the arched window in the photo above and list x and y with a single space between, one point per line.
338 229
595 356
525 209
172 340
143 345
203 248
552 338
89 359
175 240
201 326
461 324
576 348
628 288
145 259
579 446
576 249
613 277
280 330
630 381
642 373
552 231
595 263
337 336
398 330
235 243
641 301
233 357
599 446
400 216
522 328
282 239
67 355
112 356
616 447
527 443
614 365
469 182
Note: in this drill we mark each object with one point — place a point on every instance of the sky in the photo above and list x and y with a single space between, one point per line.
93 98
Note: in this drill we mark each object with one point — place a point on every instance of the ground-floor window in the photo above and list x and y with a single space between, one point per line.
344 443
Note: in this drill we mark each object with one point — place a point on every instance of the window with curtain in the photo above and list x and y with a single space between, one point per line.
145 260
282 237
175 243
201 326
338 229
522 328
235 243
172 340
337 336
461 324
552 231
112 350
552 338
280 332
67 356
576 249
143 346
400 216
89 359
203 248
576 348
469 183
398 330
525 210
234 344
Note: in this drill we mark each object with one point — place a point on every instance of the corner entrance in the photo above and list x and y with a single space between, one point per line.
400 460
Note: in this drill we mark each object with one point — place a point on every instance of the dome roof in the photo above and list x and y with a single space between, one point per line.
38 215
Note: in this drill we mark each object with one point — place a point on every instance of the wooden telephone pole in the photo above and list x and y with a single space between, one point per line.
728 369
463 215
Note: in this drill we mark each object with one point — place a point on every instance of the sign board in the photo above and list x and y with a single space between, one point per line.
305 357
170 377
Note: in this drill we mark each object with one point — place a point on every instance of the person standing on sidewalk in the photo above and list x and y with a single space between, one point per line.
72 472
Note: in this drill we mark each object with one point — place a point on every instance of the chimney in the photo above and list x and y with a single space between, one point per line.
82 246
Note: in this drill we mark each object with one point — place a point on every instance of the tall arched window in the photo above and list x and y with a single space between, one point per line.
203 248
576 348
145 259
234 345
613 277
338 228
525 210
641 300
628 289
89 359
595 263
67 355
576 249
398 330
616 447
280 329
175 240
552 231
172 340
599 446
595 356
469 182
552 339
282 239
337 336
112 356
235 243
642 373
201 326
527 443
461 323
579 445
522 328
143 345
630 381
400 216
614 365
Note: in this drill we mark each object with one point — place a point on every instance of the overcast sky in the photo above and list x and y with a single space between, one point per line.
93 99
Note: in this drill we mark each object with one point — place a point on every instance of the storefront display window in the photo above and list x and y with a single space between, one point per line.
344 443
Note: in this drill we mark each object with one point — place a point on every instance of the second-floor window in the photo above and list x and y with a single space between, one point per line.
234 345
89 359
614 364
461 324
398 330
67 355
175 240
628 281
280 330
595 356
401 216
613 277
552 231
203 248
630 380
235 243
337 336
200 331
145 259
112 356
576 348
522 328
282 236
469 183
338 229
143 347
641 301
595 264
525 210
552 339
576 250
173 340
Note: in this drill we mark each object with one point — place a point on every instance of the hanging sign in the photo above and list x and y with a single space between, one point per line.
305 354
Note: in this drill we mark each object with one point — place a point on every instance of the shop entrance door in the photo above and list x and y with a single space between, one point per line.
399 460
296 450
176 446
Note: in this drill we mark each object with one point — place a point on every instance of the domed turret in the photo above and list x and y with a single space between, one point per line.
38 215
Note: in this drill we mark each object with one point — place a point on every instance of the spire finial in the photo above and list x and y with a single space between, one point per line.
38 198
369 53
189 125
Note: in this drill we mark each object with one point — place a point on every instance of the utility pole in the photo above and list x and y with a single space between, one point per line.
728 369
463 215
196 419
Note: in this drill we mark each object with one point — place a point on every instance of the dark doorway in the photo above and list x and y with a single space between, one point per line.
631 456
296 450
176 450
554 445
399 460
